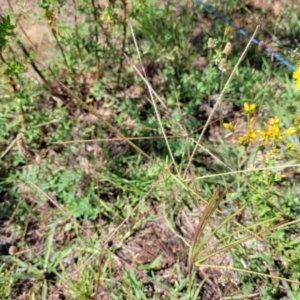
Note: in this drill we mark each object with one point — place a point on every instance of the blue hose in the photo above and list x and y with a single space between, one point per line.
244 33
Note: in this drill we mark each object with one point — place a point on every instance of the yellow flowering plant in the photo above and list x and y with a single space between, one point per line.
296 75
269 135
270 138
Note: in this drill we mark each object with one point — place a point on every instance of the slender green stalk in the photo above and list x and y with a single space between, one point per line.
220 98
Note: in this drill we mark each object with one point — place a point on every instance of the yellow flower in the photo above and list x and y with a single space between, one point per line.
248 108
274 121
271 131
290 146
273 150
264 135
251 133
248 137
290 131
276 132
296 75
229 126
227 29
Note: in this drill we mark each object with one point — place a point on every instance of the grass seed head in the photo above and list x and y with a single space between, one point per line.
228 49
222 65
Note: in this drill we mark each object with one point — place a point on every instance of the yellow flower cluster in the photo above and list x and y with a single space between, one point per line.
272 131
249 108
248 137
269 133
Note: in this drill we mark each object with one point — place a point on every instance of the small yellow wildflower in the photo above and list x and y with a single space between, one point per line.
272 130
290 131
290 146
276 132
227 30
264 134
296 75
251 133
248 108
274 121
273 150
248 137
229 126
